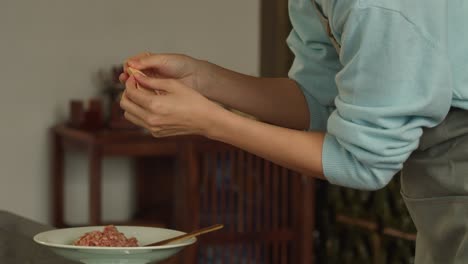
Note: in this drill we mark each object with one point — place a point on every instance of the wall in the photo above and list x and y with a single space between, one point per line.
50 52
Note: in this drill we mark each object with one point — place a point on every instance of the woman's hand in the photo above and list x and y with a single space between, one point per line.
180 110
277 101
170 66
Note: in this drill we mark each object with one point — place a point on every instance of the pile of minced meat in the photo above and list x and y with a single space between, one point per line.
110 237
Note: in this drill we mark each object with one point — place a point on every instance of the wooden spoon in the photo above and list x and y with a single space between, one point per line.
187 236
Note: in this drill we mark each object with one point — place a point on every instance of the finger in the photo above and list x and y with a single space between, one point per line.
135 120
131 83
141 97
147 92
128 106
157 91
131 79
167 85
123 77
164 130
170 129
133 72
170 133
136 57
158 61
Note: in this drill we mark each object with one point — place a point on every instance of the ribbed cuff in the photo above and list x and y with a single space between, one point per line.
341 168
332 161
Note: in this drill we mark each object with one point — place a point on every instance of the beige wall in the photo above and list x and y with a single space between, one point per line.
49 52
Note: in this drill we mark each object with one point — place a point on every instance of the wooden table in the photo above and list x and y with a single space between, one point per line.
17 244
98 145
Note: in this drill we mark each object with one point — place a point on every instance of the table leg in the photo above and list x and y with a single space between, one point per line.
192 197
57 181
95 183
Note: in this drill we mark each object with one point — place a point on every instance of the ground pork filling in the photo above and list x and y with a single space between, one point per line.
110 237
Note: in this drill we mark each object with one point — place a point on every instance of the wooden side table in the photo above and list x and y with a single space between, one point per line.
261 204
100 144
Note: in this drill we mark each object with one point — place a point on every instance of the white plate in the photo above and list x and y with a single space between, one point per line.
61 242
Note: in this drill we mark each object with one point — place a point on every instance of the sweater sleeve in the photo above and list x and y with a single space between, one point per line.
394 82
315 63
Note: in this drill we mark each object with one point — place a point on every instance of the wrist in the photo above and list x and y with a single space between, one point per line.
205 72
216 120
203 75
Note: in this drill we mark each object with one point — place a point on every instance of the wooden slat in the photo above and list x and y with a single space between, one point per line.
276 253
284 197
284 211
213 191
275 26
374 227
219 253
284 253
232 211
222 193
224 197
241 200
267 201
95 183
297 218
308 222
58 181
202 254
204 185
193 182
268 252
276 216
249 199
275 202
258 190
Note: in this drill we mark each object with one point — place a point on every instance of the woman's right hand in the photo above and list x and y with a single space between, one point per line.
186 69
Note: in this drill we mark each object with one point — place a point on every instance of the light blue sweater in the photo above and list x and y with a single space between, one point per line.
402 65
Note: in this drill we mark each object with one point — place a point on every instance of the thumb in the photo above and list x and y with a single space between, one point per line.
157 61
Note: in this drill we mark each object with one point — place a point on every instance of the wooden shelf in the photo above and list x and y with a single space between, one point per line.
374 227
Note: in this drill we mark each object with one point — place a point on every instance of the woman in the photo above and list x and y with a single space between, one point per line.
377 85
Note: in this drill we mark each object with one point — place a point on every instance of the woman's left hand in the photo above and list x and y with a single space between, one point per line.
177 110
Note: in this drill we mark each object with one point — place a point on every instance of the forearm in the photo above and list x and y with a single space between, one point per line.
277 101
298 150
